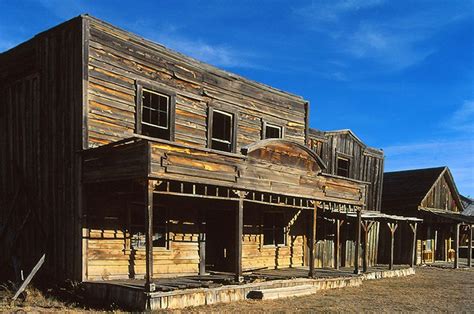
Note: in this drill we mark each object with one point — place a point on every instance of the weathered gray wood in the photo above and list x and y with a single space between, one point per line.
337 244
149 187
357 244
239 225
469 247
312 239
413 227
456 246
30 277
393 227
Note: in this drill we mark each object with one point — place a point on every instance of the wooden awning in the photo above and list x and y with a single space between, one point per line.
446 216
377 216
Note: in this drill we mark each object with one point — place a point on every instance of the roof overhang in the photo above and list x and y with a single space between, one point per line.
447 216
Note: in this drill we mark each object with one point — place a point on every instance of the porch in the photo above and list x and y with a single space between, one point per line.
220 287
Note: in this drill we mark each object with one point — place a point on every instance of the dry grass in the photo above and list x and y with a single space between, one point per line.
430 290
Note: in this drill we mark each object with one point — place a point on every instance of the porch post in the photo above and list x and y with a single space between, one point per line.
357 236
469 247
239 225
312 239
413 249
337 243
366 225
456 247
149 187
393 227
202 244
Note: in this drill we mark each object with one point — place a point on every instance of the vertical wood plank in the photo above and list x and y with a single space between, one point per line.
469 248
239 225
413 227
337 244
149 186
357 244
456 247
312 240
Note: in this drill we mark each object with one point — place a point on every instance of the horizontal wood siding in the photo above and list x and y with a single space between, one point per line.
118 59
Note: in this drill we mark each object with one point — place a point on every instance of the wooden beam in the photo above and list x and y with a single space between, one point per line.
239 226
202 244
30 276
312 239
149 187
366 225
456 247
357 238
413 248
337 244
393 227
469 247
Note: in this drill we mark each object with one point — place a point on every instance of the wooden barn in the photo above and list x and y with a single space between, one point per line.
122 159
431 195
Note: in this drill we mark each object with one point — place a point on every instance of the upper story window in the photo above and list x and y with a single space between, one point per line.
222 130
273 131
155 112
343 166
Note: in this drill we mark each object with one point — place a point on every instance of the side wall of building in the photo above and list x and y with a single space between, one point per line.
40 123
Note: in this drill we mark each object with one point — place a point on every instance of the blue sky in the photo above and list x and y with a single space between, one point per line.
400 74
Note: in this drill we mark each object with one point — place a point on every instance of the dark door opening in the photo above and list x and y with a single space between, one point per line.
220 240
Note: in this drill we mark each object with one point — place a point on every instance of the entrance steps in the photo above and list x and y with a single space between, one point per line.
285 292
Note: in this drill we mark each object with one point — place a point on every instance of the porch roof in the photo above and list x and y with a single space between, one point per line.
378 216
446 216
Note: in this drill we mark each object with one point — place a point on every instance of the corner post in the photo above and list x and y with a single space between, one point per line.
149 187
469 247
202 244
239 226
456 247
312 239
357 238
413 249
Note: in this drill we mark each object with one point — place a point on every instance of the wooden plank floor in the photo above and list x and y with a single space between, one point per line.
217 279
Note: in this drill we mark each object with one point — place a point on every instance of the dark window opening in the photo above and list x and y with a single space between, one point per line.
155 120
343 165
137 228
273 131
222 129
274 229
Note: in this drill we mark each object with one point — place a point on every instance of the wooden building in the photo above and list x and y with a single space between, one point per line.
431 195
346 156
120 158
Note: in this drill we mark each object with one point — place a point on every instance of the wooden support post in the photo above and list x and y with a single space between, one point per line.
149 187
312 239
202 244
239 226
469 248
413 249
456 247
393 227
337 244
357 238
367 226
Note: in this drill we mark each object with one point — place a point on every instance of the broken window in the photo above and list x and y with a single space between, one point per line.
138 232
343 165
274 229
222 130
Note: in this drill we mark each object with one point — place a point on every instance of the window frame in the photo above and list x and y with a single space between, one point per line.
140 87
273 228
210 124
340 156
162 212
276 125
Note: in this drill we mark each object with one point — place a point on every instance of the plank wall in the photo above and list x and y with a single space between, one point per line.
117 59
40 123
441 196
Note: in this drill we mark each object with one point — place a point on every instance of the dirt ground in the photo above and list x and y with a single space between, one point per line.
431 289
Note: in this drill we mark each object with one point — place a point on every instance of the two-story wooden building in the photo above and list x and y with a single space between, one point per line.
431 195
120 158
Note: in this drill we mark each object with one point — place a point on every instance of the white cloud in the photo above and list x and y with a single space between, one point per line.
462 119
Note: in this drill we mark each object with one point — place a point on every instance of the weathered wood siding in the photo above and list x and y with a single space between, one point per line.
40 123
366 164
117 59
441 196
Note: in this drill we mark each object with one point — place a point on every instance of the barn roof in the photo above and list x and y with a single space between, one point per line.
406 189
468 204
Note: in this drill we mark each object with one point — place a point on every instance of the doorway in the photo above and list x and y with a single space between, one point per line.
220 240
